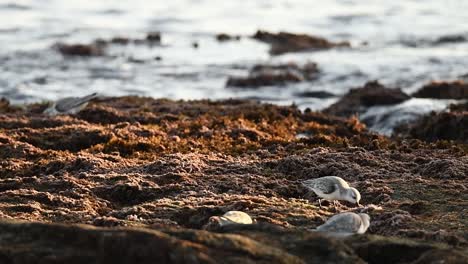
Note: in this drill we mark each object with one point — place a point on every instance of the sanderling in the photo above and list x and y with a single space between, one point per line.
69 105
229 218
345 224
333 188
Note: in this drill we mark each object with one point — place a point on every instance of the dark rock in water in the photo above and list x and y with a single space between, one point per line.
269 75
120 40
284 42
315 94
153 37
85 50
444 90
358 99
429 42
135 60
40 80
221 37
29 242
459 107
264 79
6 107
450 39
437 126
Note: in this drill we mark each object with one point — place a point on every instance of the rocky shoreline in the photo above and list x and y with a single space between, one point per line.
154 171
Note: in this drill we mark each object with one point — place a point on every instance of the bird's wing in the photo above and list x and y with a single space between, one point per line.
340 181
66 104
326 185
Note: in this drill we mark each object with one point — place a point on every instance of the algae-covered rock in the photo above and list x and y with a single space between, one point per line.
357 100
444 90
133 162
284 42
29 242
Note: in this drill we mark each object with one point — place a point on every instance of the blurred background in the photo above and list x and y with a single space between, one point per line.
402 44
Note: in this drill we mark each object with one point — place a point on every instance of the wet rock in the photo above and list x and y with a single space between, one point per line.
437 41
6 107
316 94
84 50
269 75
222 37
437 126
392 250
450 39
154 37
444 90
357 100
284 42
120 40
459 107
151 38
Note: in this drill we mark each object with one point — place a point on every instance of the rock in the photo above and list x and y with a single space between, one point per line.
126 162
222 37
393 250
120 40
449 39
459 107
54 243
6 107
153 37
315 94
357 100
284 42
85 50
437 126
26 242
437 41
269 75
444 125
444 90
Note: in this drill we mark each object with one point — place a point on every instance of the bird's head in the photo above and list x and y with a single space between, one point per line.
353 196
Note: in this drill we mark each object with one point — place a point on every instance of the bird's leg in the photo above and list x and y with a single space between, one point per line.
320 203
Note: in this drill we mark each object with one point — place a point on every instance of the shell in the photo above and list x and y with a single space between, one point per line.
238 217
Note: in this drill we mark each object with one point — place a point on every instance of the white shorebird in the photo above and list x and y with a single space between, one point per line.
229 218
333 188
69 105
345 224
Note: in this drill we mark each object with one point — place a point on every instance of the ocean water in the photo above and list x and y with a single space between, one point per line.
400 50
